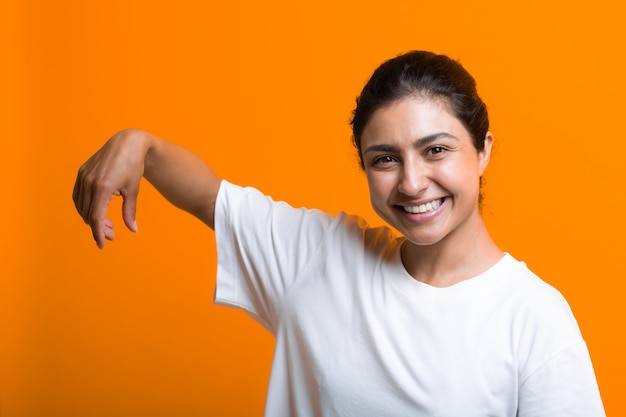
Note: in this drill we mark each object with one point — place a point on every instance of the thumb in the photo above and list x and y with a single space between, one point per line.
129 210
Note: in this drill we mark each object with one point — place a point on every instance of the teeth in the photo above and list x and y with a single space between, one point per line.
423 208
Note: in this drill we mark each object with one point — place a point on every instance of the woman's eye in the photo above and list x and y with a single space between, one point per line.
385 159
436 150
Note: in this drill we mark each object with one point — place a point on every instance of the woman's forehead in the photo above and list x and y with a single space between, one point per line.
412 117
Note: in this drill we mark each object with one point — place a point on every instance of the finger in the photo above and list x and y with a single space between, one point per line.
79 194
109 234
96 213
129 209
76 192
86 191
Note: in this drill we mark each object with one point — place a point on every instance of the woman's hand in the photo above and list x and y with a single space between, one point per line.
116 169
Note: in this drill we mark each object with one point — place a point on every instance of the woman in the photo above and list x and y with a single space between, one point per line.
437 322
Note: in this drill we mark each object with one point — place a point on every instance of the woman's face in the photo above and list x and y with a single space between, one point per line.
423 170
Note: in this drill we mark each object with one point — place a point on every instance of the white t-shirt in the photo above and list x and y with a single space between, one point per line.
356 335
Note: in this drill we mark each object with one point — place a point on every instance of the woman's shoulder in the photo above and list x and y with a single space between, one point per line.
250 205
536 300
524 280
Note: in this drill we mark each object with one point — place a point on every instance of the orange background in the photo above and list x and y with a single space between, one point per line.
263 91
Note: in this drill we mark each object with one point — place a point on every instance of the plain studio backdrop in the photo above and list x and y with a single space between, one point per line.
263 91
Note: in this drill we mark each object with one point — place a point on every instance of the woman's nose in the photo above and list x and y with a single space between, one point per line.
413 179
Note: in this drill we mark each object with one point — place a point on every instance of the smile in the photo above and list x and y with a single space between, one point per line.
424 208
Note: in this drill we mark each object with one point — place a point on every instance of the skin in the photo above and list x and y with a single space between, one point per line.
117 168
416 152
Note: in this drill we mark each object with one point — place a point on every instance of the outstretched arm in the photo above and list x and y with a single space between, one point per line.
116 169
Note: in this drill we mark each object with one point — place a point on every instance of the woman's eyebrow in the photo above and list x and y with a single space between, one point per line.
381 148
426 140
419 143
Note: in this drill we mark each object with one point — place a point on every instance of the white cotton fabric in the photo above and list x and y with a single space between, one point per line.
356 335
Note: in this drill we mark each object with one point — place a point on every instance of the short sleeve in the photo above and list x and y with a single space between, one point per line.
262 247
563 386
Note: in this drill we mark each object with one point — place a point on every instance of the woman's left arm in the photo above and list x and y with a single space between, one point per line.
565 386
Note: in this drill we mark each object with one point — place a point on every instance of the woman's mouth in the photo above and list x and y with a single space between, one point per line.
424 208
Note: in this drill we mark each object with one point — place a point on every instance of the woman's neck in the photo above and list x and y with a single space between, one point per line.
459 256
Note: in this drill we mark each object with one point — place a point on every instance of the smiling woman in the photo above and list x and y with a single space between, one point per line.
418 154
436 321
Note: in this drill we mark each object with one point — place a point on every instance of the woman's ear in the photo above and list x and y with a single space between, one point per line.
485 154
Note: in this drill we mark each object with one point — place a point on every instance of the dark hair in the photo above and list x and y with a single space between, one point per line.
424 74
